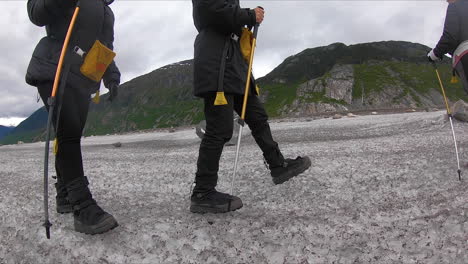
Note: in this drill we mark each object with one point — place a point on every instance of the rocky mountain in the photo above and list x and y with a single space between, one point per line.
340 78
333 78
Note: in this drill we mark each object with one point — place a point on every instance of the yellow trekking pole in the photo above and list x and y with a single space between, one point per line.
51 102
450 118
244 106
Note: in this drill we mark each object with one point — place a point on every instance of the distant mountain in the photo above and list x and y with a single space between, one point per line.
5 130
31 129
333 78
162 98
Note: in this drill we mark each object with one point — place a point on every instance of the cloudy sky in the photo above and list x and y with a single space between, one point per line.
150 34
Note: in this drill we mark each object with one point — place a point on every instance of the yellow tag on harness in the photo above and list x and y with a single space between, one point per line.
55 148
96 98
454 79
97 60
220 99
246 43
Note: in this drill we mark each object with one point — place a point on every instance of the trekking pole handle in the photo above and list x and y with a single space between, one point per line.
256 30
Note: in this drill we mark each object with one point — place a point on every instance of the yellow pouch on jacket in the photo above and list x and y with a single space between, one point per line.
246 48
96 61
246 43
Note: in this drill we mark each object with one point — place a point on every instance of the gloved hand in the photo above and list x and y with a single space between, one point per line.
432 57
113 91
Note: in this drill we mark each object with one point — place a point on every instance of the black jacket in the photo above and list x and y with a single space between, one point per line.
218 62
95 21
455 28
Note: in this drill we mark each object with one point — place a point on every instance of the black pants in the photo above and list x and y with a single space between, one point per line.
462 71
72 119
219 128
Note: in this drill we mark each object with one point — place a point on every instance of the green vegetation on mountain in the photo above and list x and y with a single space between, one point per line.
278 96
162 98
4 130
418 77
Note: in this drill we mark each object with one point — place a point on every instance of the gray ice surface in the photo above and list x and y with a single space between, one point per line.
381 189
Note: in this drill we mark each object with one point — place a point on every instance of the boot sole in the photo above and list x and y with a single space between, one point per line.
217 209
64 209
293 173
107 223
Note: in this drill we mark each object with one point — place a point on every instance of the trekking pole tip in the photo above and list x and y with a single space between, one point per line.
47 226
459 175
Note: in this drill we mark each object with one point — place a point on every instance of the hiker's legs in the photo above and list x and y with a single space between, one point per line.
89 218
281 169
462 71
73 114
219 126
257 120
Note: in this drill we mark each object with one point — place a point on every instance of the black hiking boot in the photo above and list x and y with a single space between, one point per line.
214 202
89 218
289 169
63 205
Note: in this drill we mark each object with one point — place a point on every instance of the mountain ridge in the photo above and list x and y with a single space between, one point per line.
333 78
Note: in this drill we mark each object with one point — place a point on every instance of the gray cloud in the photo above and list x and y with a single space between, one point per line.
151 34
317 23
17 41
